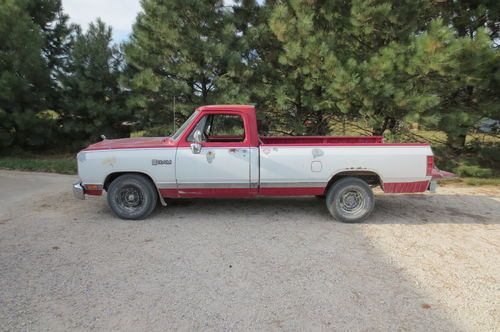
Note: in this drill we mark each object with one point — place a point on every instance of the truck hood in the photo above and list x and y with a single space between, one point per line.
132 143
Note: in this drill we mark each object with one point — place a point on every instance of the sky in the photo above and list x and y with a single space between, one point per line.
119 14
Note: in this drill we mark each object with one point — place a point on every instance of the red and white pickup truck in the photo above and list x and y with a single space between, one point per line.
217 152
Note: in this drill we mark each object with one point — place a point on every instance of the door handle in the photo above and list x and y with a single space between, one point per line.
234 150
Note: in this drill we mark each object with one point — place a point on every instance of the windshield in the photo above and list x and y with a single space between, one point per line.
179 132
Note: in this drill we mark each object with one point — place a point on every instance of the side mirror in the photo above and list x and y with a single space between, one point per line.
195 148
197 136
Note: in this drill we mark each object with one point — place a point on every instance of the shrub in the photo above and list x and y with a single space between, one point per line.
474 171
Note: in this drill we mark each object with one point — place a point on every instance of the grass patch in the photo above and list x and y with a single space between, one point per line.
139 133
474 171
53 164
482 182
471 182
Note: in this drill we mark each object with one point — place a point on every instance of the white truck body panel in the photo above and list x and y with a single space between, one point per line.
285 165
95 166
213 167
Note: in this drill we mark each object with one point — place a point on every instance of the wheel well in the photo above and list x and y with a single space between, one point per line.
371 178
111 177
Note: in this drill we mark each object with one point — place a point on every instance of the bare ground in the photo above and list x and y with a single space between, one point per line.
421 262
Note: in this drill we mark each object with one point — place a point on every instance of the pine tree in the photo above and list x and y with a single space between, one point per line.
469 90
379 79
352 59
183 49
259 71
93 102
307 61
33 35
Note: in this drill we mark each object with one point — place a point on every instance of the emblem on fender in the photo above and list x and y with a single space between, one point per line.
210 156
156 162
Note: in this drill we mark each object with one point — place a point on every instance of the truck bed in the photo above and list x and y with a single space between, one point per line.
313 140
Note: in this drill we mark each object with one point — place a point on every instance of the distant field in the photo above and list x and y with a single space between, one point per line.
434 137
440 137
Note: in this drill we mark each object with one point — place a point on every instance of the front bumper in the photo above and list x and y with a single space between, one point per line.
78 190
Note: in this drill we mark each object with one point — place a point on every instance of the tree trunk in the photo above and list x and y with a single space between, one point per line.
204 90
321 125
456 141
379 131
392 125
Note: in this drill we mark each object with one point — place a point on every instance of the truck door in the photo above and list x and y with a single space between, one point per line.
217 162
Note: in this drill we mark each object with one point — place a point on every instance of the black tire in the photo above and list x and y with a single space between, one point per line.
132 196
350 200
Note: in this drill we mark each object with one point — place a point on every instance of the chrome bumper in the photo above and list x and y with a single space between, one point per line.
78 190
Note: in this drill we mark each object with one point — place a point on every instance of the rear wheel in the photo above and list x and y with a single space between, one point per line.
132 196
350 200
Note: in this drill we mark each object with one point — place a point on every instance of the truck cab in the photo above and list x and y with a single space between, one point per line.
217 153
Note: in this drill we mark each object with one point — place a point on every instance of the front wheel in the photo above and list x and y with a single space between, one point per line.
350 200
132 196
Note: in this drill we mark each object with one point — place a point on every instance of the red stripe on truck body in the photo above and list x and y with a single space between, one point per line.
406 187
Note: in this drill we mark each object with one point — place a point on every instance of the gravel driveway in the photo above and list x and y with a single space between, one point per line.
421 262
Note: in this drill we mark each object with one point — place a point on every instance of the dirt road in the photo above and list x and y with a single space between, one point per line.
421 262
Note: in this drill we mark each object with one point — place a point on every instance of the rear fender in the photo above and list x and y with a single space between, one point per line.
367 175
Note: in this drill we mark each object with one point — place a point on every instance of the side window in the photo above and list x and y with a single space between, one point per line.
220 128
226 125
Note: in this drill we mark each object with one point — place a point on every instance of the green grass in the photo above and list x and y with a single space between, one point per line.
53 164
482 182
471 182
139 133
